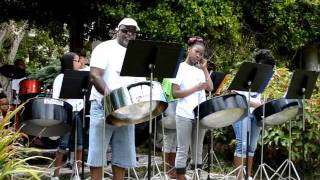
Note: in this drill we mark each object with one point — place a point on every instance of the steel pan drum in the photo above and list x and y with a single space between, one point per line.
29 88
278 111
46 117
169 116
222 111
130 104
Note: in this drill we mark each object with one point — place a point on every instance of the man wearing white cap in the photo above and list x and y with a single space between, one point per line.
105 66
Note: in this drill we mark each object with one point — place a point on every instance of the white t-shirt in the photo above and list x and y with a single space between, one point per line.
16 86
187 77
109 56
77 104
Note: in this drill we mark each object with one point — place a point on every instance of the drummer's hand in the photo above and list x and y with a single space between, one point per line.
106 91
233 92
201 86
202 64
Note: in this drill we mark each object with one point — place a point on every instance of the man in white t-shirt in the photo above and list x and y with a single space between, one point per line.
105 66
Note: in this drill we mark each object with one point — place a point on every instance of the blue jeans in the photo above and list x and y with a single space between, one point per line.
67 140
121 140
77 122
241 127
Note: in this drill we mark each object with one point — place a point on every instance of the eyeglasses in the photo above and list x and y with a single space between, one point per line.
125 31
76 60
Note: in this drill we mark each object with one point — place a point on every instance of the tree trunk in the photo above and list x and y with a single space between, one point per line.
19 32
310 57
3 31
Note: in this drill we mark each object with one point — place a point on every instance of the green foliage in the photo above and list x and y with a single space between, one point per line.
46 74
175 21
283 26
289 24
40 49
13 156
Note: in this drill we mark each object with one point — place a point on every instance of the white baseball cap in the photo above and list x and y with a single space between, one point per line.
128 22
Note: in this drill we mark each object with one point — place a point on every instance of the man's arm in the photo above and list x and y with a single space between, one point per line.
96 77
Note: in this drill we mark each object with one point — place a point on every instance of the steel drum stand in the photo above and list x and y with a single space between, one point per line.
262 169
149 59
159 174
287 163
210 155
164 154
251 77
218 79
301 87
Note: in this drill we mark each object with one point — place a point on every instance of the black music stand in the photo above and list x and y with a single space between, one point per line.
75 85
251 77
301 87
151 59
217 80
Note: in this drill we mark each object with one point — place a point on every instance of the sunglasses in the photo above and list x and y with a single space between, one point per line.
125 31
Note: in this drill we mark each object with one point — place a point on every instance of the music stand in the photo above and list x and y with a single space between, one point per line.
75 84
251 77
218 78
301 87
151 59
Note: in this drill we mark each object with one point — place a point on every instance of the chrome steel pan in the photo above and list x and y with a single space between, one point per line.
278 111
222 111
46 117
130 104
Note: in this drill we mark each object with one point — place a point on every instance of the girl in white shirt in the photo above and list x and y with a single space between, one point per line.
189 86
68 61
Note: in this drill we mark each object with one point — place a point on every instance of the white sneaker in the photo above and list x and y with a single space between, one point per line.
250 178
55 178
187 177
76 178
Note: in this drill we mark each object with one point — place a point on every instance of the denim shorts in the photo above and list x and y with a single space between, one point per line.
121 140
241 127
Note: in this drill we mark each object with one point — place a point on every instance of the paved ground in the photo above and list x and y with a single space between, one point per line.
138 173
